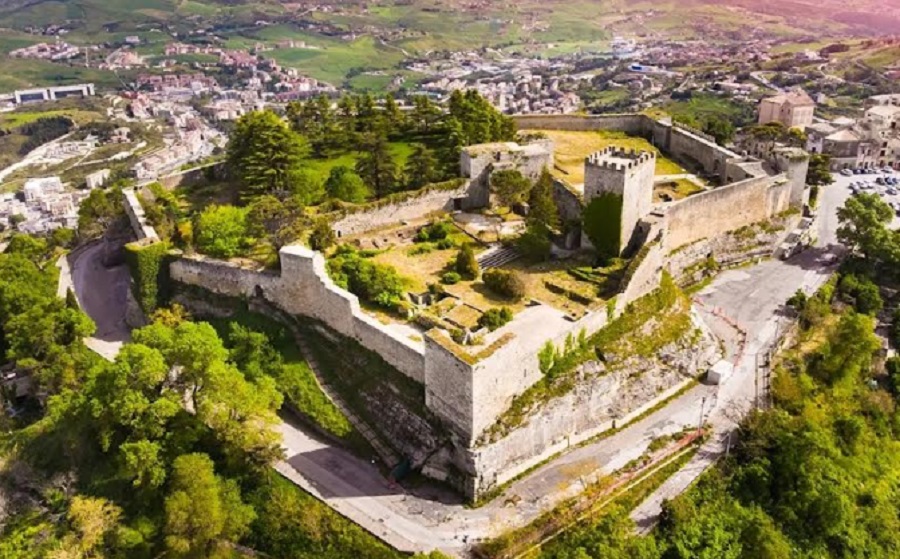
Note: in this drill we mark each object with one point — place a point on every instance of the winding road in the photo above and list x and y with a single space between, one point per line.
740 304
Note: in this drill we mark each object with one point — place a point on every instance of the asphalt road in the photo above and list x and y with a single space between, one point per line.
102 292
752 299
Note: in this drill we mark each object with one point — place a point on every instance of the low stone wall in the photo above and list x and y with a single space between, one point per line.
720 210
415 206
193 176
633 124
137 218
568 202
304 288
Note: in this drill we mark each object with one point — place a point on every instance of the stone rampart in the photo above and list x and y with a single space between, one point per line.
193 176
633 124
569 202
137 218
414 205
304 288
720 210
600 400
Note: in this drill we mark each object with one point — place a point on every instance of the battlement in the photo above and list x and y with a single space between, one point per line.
619 159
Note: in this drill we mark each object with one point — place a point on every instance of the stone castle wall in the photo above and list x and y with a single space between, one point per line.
416 206
137 218
720 210
304 288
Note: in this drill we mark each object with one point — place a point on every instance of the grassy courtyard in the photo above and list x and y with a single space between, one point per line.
573 147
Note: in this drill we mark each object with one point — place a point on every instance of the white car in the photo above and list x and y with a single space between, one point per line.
847 172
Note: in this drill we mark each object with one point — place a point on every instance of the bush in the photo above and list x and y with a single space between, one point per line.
451 278
466 264
505 283
322 237
862 293
495 318
437 231
370 281
222 231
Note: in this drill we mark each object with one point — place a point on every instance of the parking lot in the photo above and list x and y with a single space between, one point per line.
888 189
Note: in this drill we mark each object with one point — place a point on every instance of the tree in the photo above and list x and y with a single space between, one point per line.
535 243
466 265
92 519
510 186
719 128
222 231
819 173
393 116
421 167
541 205
202 508
863 227
98 212
344 184
424 115
376 165
508 284
322 237
266 155
280 222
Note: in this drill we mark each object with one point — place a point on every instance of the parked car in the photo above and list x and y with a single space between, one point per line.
891 191
847 172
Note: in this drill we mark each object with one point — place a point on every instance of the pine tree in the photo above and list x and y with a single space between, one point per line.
421 167
376 165
542 208
393 117
266 155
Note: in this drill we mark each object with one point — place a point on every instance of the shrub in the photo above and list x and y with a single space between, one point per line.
445 244
450 278
370 281
602 224
495 318
322 237
466 264
505 283
862 293
437 231
222 231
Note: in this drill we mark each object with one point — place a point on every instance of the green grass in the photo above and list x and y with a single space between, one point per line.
320 168
332 62
21 74
297 381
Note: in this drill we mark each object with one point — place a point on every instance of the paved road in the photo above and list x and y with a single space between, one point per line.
102 292
427 517
753 299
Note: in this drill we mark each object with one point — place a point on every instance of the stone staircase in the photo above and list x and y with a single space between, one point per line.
497 256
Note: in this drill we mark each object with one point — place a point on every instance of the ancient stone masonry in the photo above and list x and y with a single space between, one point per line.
627 175
467 388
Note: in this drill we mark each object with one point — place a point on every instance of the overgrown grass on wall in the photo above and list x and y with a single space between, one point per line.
648 324
149 273
603 224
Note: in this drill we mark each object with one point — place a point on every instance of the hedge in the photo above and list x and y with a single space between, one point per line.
149 268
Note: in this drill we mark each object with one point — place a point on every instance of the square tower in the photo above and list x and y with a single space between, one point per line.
618 192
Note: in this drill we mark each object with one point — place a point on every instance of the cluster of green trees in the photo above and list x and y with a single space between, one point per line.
43 130
511 189
372 282
166 448
272 159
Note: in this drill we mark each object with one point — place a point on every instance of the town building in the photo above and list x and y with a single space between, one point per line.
794 109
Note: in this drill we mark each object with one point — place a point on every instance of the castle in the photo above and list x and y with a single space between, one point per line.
465 390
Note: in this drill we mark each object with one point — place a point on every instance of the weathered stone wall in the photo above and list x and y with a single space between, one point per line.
136 217
189 177
568 202
633 124
724 209
414 207
599 398
304 288
684 145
